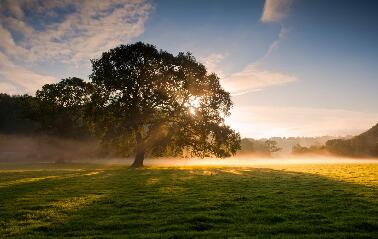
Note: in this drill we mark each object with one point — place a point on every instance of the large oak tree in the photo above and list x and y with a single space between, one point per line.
146 101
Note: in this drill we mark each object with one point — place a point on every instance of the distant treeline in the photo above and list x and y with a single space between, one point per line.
26 115
31 129
261 147
363 145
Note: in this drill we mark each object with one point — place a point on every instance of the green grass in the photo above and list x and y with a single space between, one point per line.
89 201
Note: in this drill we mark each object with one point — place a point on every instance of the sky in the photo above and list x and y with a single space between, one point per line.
293 67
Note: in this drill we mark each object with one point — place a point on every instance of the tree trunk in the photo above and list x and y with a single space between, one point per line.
139 156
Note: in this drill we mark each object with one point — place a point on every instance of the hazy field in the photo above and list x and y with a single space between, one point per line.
268 200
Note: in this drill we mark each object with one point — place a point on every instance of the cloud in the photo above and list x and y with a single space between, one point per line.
9 88
212 63
73 30
16 79
268 121
283 32
66 32
7 43
275 10
13 7
253 78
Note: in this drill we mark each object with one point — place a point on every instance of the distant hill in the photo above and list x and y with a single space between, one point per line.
363 145
370 136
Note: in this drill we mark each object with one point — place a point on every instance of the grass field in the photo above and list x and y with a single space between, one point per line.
98 201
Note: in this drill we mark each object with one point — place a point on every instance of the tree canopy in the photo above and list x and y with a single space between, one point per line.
62 107
160 103
17 114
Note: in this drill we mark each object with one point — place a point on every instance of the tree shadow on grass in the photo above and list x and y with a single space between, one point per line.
187 203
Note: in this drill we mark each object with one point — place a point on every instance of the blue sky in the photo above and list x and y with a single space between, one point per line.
294 67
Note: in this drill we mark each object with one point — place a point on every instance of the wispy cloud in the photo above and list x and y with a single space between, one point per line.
254 78
281 35
212 62
251 78
267 121
67 31
18 80
275 10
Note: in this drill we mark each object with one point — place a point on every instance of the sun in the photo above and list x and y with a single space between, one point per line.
192 110
194 103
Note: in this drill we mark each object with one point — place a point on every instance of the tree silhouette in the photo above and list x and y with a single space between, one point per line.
17 113
271 145
148 101
62 107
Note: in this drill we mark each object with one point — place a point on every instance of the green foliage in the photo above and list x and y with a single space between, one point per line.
69 94
17 114
102 201
145 100
56 110
62 107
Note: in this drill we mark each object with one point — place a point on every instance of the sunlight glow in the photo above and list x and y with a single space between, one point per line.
194 103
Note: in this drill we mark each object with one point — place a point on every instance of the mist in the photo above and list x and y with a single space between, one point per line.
45 148
236 161
49 149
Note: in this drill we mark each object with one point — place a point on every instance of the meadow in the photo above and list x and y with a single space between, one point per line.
113 201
